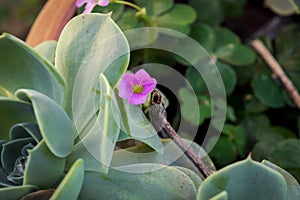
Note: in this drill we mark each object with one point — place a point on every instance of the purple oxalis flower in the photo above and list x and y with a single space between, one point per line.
90 4
135 87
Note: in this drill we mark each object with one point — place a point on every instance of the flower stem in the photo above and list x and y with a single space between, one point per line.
141 14
128 4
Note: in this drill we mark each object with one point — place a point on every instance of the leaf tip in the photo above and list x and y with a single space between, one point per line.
3 35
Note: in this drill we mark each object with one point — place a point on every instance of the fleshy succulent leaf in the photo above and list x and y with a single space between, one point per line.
165 183
29 70
191 174
54 124
23 130
101 139
172 155
70 186
47 50
13 112
221 196
136 125
16 192
293 187
11 151
245 180
3 180
43 168
90 50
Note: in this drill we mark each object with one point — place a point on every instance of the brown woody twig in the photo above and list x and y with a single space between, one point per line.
277 70
158 119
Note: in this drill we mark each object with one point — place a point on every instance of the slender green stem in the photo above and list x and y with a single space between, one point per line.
141 11
128 4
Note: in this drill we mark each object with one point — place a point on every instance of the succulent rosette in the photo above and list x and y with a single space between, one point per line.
36 133
49 149
27 133
35 141
15 154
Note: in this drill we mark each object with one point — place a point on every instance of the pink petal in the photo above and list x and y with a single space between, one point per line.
146 81
142 75
149 81
89 7
80 3
136 99
103 2
149 87
130 78
124 89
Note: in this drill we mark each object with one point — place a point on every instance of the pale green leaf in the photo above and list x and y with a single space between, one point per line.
23 130
293 188
90 44
245 180
54 124
16 192
43 168
115 9
101 139
70 186
164 182
172 155
221 196
22 67
191 174
136 125
47 50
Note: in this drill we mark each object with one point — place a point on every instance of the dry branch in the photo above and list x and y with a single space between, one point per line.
277 70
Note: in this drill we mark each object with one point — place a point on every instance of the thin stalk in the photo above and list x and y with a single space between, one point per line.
158 119
128 4
188 151
277 70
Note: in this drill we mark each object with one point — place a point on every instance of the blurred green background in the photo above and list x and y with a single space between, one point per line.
17 16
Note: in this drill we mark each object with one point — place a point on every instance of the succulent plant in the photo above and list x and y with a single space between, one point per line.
45 133
249 179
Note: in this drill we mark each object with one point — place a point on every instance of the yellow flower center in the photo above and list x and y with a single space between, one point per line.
137 89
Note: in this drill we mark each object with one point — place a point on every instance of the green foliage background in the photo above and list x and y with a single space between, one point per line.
16 17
